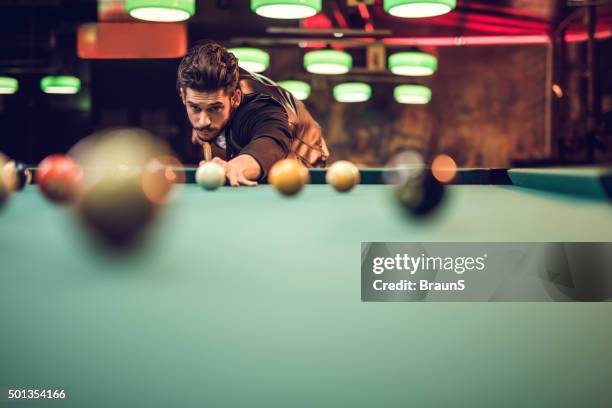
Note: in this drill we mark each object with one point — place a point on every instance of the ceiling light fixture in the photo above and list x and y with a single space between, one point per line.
161 10
352 92
413 63
286 9
328 62
418 8
412 94
251 59
299 89
62 84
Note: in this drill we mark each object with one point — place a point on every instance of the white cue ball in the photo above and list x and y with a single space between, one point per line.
210 176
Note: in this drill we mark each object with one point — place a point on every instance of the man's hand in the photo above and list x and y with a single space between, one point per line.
240 170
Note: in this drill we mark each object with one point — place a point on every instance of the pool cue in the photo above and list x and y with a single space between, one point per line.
207 151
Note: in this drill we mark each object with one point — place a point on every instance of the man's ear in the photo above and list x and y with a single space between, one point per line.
236 98
183 96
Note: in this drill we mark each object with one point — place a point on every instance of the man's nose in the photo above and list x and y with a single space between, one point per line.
203 120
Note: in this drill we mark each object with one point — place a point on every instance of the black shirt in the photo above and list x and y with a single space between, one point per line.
260 128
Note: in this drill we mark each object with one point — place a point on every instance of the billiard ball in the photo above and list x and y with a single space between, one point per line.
287 176
115 208
303 171
4 194
210 176
305 174
58 178
342 175
444 168
404 166
159 177
16 175
5 191
124 187
420 196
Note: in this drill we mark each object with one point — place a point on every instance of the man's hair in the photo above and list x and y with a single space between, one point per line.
208 67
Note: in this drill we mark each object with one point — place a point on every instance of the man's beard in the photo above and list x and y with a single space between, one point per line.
209 134
206 135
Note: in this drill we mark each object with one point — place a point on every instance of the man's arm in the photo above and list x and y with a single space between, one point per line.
264 132
241 170
263 129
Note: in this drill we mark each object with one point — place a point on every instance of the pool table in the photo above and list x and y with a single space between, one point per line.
243 297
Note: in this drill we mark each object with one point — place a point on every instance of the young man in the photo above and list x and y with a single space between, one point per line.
248 121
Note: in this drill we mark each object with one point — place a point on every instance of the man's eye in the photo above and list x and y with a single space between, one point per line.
216 109
195 109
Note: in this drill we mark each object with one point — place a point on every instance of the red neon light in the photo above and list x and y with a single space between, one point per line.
468 40
490 40
131 40
490 23
340 18
575 37
363 11
318 21
313 44
365 15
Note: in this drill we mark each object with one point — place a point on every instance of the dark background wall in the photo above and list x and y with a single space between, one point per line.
487 109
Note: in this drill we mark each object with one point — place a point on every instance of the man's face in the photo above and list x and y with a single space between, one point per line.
209 111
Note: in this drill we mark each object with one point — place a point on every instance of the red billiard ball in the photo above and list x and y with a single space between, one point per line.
59 178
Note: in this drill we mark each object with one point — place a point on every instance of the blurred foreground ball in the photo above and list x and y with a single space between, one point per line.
159 177
116 209
5 191
305 174
288 176
125 182
59 178
16 175
342 175
4 194
210 176
404 166
421 196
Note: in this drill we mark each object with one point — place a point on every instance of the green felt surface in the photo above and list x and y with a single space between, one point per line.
241 297
594 182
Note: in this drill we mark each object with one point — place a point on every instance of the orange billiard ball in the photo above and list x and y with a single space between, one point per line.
288 176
